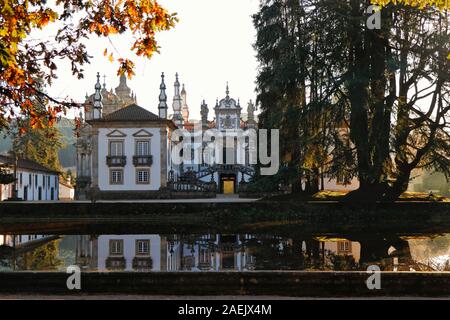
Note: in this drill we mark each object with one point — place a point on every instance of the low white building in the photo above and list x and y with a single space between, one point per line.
22 240
35 182
66 189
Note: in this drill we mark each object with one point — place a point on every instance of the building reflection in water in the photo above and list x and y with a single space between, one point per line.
164 253
210 253
230 252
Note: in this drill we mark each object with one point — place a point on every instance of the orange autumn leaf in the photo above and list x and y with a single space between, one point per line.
22 64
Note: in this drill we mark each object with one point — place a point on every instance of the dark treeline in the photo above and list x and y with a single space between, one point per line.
352 100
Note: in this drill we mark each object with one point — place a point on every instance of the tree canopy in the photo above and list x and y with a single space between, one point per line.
23 62
351 101
440 4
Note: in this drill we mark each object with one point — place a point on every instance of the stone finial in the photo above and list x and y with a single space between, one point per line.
177 103
97 84
162 106
98 106
251 110
184 108
204 114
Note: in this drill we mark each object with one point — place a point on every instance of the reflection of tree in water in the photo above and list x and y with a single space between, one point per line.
446 266
342 262
433 251
389 253
374 251
298 254
44 257
279 254
386 251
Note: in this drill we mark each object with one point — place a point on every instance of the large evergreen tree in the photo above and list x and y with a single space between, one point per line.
370 103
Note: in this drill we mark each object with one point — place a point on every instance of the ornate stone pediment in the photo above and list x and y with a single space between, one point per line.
116 134
142 134
228 102
227 123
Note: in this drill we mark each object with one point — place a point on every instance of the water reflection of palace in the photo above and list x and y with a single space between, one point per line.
164 253
225 252
211 252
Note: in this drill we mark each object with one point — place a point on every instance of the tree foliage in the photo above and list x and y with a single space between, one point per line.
41 145
6 177
441 4
352 101
43 258
22 60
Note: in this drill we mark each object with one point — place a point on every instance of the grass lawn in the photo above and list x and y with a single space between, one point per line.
331 195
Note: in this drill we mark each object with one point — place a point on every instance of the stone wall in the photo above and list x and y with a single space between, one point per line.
152 195
191 217
293 284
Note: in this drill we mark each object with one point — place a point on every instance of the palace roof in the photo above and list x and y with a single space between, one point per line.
131 113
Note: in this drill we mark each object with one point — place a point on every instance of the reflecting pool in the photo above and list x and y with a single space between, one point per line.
224 252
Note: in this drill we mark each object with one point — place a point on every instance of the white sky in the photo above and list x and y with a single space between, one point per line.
210 45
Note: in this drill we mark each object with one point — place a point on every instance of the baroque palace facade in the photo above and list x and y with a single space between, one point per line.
124 150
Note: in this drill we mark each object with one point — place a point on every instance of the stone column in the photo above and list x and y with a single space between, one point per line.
163 252
78 164
163 156
94 155
88 165
94 253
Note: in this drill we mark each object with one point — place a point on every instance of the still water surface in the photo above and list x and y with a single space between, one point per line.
224 252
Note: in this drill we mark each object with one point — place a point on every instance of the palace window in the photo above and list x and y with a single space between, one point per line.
205 256
142 263
116 176
116 263
142 157
344 246
142 247
116 156
116 148
142 176
116 247
142 148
